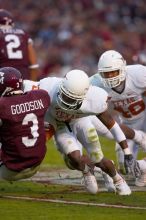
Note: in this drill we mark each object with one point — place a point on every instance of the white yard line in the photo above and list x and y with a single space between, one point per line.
74 202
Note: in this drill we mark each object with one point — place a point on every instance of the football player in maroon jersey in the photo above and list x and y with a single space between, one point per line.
16 48
21 126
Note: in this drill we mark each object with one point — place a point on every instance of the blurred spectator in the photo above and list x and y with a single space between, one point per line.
16 48
140 57
75 33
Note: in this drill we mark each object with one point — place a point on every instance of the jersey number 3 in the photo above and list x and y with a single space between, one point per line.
30 142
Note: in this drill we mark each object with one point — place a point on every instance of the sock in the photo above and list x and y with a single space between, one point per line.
117 178
97 169
86 170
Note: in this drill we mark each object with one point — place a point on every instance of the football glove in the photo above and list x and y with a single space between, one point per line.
132 165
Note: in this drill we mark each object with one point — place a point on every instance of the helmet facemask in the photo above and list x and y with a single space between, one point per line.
114 81
66 101
72 90
111 61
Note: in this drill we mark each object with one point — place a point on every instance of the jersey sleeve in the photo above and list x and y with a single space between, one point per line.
139 78
29 85
96 101
49 84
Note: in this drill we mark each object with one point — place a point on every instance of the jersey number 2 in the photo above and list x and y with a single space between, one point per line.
13 42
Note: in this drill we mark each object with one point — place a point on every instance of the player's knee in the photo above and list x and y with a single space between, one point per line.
96 157
68 162
73 159
92 135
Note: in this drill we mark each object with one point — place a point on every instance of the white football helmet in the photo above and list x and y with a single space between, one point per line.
73 89
109 61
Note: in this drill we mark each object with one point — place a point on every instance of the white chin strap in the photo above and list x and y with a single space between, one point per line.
18 92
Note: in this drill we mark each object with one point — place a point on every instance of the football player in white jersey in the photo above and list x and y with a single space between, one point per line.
73 98
84 128
125 85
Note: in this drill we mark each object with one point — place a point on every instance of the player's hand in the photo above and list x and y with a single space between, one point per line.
49 130
132 165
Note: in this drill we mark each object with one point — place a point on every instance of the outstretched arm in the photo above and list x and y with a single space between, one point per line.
119 136
115 129
34 67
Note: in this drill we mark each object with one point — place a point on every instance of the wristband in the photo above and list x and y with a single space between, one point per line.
126 151
117 133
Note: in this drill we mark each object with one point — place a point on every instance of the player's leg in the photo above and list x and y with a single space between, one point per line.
69 146
137 133
10 175
88 136
141 181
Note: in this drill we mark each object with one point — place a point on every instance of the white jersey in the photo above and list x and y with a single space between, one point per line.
80 127
129 103
92 104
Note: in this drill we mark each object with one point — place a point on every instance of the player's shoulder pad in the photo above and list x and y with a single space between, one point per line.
99 93
137 73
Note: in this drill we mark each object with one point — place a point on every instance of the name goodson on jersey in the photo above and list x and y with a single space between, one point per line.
26 107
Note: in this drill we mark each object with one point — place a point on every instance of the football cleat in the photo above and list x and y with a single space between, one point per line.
109 183
122 188
90 183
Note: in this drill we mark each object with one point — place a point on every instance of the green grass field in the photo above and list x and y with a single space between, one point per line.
31 200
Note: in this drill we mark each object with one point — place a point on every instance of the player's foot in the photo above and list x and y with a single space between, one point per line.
122 188
90 183
108 181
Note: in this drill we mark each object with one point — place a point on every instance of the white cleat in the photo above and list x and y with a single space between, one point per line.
90 183
122 188
108 181
141 181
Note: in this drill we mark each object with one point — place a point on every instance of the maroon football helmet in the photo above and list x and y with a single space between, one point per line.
6 18
10 81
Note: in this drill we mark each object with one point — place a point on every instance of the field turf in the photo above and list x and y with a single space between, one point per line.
32 200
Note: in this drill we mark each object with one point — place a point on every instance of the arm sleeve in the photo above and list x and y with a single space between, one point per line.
139 78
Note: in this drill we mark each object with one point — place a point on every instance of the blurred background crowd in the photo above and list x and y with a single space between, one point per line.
73 33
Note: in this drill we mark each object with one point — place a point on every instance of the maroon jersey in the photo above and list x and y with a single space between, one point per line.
14 50
22 131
